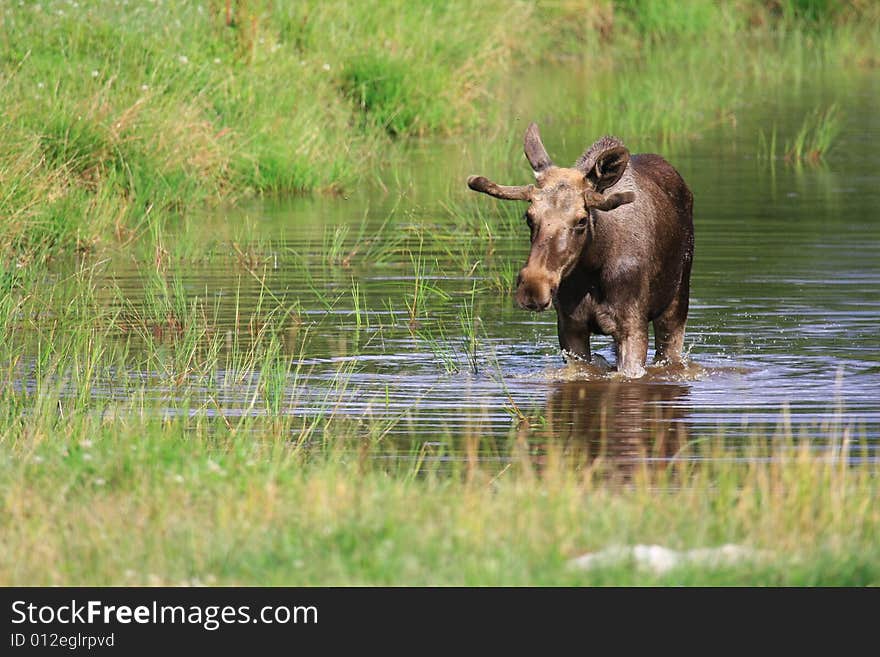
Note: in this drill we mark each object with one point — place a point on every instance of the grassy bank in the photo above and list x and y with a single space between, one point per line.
117 118
147 502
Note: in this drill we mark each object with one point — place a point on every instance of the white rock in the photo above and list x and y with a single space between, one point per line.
659 559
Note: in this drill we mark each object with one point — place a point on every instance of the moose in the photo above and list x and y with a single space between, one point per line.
612 246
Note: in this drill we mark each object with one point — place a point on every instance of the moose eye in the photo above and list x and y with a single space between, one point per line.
581 224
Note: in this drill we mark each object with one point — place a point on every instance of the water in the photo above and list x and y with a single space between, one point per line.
782 333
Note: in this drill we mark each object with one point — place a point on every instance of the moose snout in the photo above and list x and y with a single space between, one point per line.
534 290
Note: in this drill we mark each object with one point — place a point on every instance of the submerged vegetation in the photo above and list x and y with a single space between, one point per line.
815 137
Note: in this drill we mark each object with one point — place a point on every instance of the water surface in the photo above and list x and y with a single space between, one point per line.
782 334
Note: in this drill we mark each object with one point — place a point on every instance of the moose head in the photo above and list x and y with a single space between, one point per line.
560 211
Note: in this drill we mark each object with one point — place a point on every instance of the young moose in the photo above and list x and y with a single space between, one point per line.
612 246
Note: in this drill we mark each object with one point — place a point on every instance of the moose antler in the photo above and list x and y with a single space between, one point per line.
536 154
506 192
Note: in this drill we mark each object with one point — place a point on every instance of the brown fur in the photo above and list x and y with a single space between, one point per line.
612 247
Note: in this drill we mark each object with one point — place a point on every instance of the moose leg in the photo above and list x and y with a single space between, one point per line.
574 341
632 351
668 339
669 326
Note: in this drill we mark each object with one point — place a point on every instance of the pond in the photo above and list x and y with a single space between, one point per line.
405 322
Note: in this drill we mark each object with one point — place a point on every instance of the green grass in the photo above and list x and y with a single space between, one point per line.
816 136
813 140
117 118
130 501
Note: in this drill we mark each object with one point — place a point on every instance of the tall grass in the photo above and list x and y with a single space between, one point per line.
120 116
815 137
131 501
116 115
813 140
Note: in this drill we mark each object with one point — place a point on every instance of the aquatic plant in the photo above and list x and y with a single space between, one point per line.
815 137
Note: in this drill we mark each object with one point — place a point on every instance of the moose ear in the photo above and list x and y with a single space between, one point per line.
616 200
609 167
607 203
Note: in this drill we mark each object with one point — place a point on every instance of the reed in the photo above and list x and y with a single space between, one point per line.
815 138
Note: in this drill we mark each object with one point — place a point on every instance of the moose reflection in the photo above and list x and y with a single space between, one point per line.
624 423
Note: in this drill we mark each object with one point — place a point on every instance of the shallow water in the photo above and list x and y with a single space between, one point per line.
783 328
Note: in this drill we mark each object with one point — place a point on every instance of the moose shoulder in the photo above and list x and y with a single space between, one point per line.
612 247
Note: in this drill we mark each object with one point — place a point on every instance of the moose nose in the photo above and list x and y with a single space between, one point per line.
534 305
533 291
532 299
